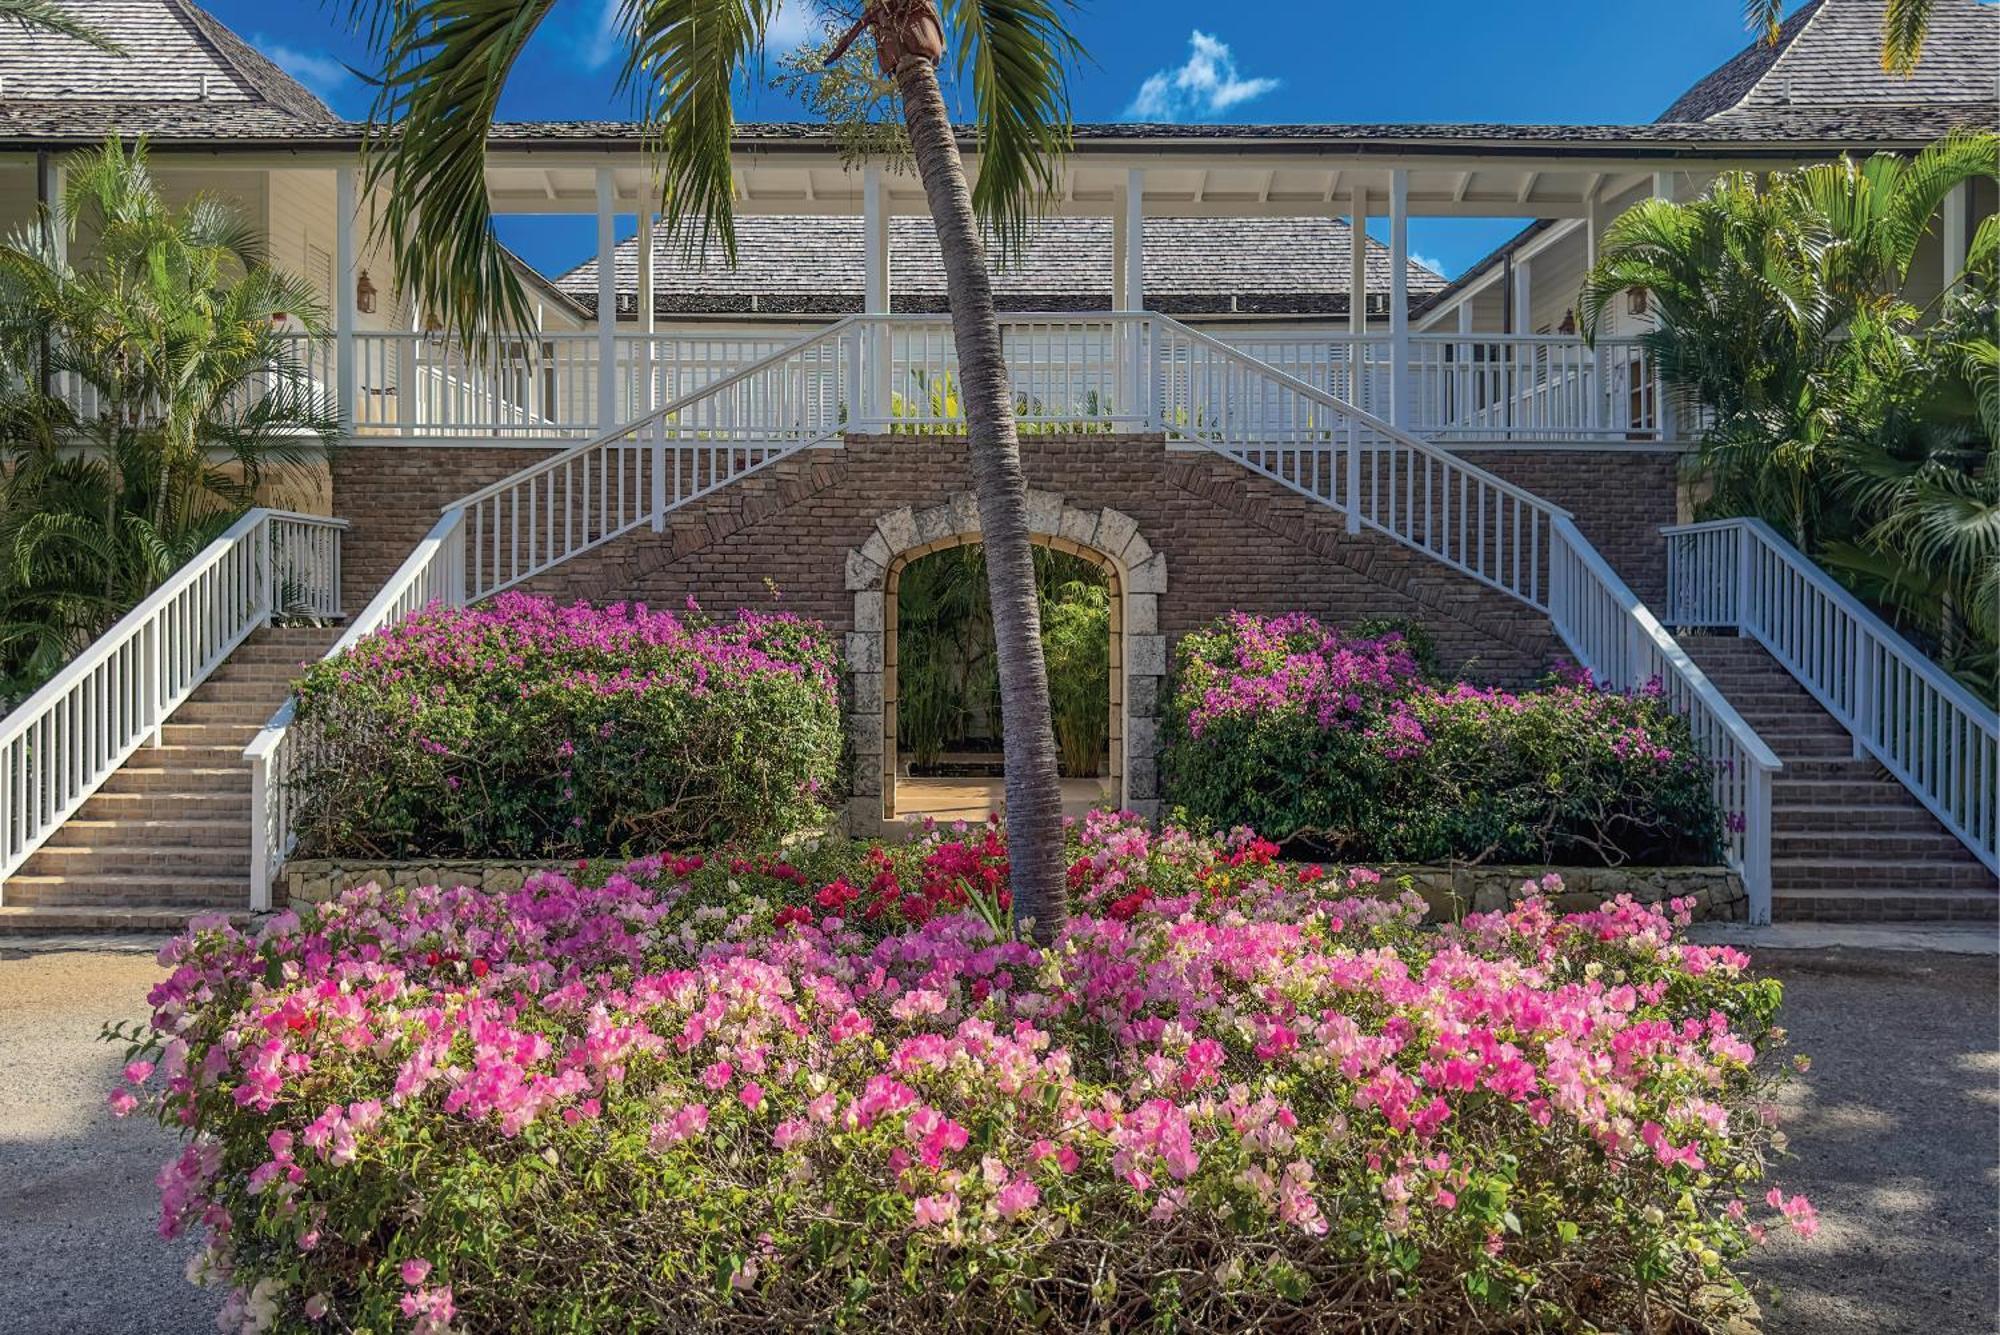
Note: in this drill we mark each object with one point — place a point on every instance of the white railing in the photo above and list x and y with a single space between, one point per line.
63 741
1424 497
1067 372
1482 387
1923 726
433 574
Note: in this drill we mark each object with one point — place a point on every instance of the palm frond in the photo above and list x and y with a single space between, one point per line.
1765 17
682 59
50 17
1018 54
1904 25
443 68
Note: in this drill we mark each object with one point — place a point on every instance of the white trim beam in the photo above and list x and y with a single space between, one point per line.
1399 297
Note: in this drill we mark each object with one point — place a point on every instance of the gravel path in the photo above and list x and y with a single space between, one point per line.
1895 1136
78 1250
1895 1133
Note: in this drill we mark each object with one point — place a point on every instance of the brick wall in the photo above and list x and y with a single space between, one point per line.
1233 540
1620 499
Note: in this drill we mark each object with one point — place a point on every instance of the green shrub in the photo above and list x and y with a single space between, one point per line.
1339 746
530 730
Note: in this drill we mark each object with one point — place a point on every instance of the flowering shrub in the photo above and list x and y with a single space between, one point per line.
765 1094
527 729
1340 744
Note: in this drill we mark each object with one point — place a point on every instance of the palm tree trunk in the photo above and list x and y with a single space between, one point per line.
1034 793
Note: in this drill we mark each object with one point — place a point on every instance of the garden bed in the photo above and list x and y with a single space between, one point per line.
1715 894
832 1090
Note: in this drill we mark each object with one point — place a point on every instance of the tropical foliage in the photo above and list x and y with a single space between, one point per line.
50 17
1905 23
530 730
1857 423
444 65
947 689
822 1092
1342 745
154 398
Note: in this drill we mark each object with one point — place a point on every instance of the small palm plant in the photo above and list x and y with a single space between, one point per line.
153 398
1904 26
444 63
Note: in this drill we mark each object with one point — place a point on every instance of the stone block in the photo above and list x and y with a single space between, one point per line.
863 573
1079 526
1146 655
868 693
1142 778
869 612
1114 529
934 523
877 550
899 529
864 735
1136 552
1142 613
1149 576
1142 695
1142 736
864 652
965 513
1044 512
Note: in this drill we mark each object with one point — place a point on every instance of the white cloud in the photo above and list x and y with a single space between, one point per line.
792 26
316 70
1434 265
1209 84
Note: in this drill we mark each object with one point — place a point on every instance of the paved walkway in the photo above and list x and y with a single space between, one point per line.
1895 1132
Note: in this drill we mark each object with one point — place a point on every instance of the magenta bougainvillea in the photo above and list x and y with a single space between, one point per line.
532 729
824 1089
1344 744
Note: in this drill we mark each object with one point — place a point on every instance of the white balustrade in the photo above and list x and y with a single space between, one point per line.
1940 740
63 741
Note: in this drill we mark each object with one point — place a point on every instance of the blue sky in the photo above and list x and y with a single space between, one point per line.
1281 60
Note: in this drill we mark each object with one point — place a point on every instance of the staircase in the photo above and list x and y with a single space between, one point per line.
1849 842
167 836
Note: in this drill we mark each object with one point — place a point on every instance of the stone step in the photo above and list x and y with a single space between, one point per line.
86 862
1825 837
253 713
169 835
1871 792
1852 816
138 776
1904 905
1861 873
187 892
237 735
17 920
170 805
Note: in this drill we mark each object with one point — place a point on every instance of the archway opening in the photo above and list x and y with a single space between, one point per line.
942 724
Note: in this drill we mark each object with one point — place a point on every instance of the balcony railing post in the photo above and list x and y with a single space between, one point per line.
1745 579
1757 845
1353 476
657 428
150 687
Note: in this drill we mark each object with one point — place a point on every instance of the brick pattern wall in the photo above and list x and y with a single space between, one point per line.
1236 541
1620 498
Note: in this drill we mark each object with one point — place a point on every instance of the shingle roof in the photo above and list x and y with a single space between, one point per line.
1826 67
180 65
813 265
1828 55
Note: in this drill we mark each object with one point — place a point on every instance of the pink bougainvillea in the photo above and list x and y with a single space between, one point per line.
654 1105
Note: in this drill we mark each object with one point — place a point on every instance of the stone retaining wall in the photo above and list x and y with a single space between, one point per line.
1455 891
1451 891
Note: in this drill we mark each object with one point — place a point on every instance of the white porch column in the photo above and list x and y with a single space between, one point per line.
1524 296
1663 188
877 393
1136 359
347 374
1957 216
1399 296
651 395
1118 299
1359 364
607 303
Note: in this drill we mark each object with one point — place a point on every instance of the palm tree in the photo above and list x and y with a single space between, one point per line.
48 16
444 63
178 399
1754 283
1904 24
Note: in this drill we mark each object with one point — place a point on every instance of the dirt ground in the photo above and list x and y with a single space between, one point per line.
1895 1133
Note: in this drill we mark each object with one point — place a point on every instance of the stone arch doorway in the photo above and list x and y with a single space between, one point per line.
1107 538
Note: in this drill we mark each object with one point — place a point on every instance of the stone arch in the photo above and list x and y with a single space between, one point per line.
1138 651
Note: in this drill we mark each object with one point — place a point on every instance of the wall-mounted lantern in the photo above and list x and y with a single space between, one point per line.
364 294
